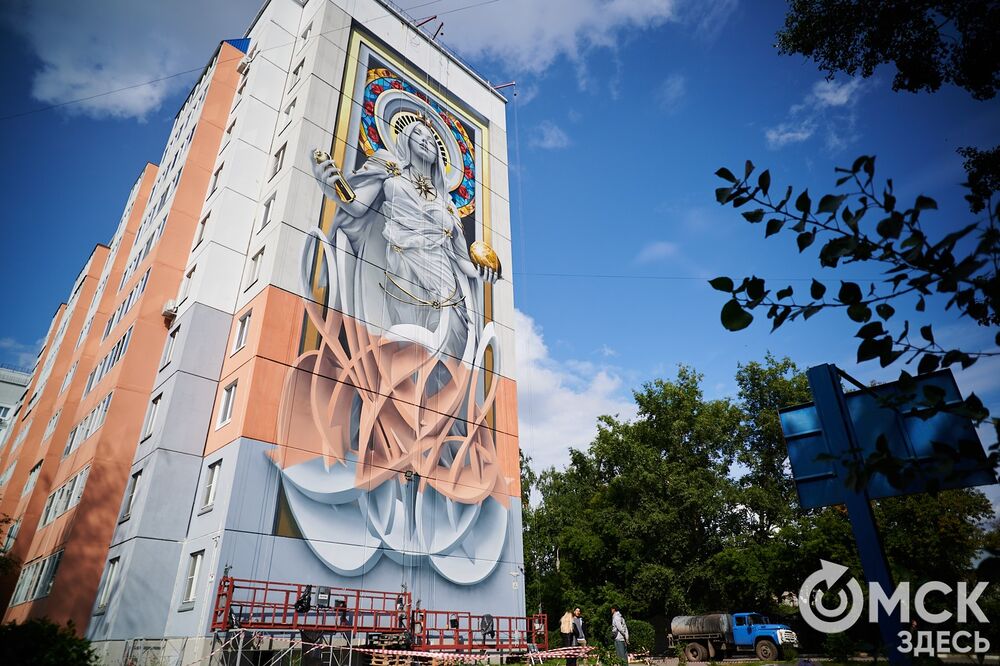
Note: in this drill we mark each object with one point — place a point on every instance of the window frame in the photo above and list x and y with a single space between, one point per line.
242 331
211 486
227 405
110 578
168 349
190 594
133 486
151 413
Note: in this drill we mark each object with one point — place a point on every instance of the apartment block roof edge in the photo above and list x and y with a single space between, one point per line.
399 13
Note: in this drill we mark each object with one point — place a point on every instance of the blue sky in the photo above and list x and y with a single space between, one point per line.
624 111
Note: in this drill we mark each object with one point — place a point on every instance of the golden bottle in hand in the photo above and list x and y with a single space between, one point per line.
340 186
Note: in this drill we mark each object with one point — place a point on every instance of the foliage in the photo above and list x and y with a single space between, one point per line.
640 636
8 563
41 642
652 519
930 42
864 223
840 647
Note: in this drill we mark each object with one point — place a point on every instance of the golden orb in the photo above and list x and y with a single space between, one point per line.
483 255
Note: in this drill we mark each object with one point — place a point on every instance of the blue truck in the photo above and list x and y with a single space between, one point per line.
718 635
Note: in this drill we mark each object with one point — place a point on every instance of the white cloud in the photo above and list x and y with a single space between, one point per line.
787 133
709 18
559 402
528 35
830 93
607 351
656 251
550 137
830 106
87 49
18 353
671 92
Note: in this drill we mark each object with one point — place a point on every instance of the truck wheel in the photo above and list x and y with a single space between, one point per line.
766 650
695 652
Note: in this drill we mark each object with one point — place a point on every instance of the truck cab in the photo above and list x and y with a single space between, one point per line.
753 632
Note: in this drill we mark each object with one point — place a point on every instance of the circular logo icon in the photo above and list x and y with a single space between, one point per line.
815 612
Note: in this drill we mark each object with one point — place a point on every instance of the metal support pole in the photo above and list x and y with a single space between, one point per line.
831 407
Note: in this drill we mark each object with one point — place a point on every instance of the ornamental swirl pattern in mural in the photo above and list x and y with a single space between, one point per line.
395 385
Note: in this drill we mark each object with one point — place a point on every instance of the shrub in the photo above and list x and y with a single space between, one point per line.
42 642
640 636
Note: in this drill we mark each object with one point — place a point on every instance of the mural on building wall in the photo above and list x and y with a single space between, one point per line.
394 388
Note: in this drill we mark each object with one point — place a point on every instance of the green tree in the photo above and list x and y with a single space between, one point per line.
41 642
864 224
664 515
930 42
8 563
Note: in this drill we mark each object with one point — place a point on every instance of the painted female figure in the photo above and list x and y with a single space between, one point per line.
401 219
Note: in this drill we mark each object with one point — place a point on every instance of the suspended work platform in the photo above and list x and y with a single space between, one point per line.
367 619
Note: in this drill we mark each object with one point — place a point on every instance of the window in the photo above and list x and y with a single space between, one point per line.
133 485
168 349
279 160
268 210
308 31
255 267
186 284
288 112
65 497
66 380
49 577
90 381
32 479
154 407
51 426
88 426
201 230
228 398
229 130
297 73
7 473
110 578
12 531
241 332
191 582
211 483
36 579
215 179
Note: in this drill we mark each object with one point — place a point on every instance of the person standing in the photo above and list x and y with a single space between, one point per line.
581 638
619 631
566 629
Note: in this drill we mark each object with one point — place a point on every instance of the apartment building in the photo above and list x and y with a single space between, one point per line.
293 362
13 384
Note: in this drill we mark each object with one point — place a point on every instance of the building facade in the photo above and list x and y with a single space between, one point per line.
13 384
294 360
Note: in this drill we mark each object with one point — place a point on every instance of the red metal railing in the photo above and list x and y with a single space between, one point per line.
449 630
253 604
266 605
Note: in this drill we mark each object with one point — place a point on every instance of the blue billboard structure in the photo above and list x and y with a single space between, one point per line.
923 443
831 437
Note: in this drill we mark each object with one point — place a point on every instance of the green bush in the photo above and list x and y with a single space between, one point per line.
640 636
44 643
840 647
